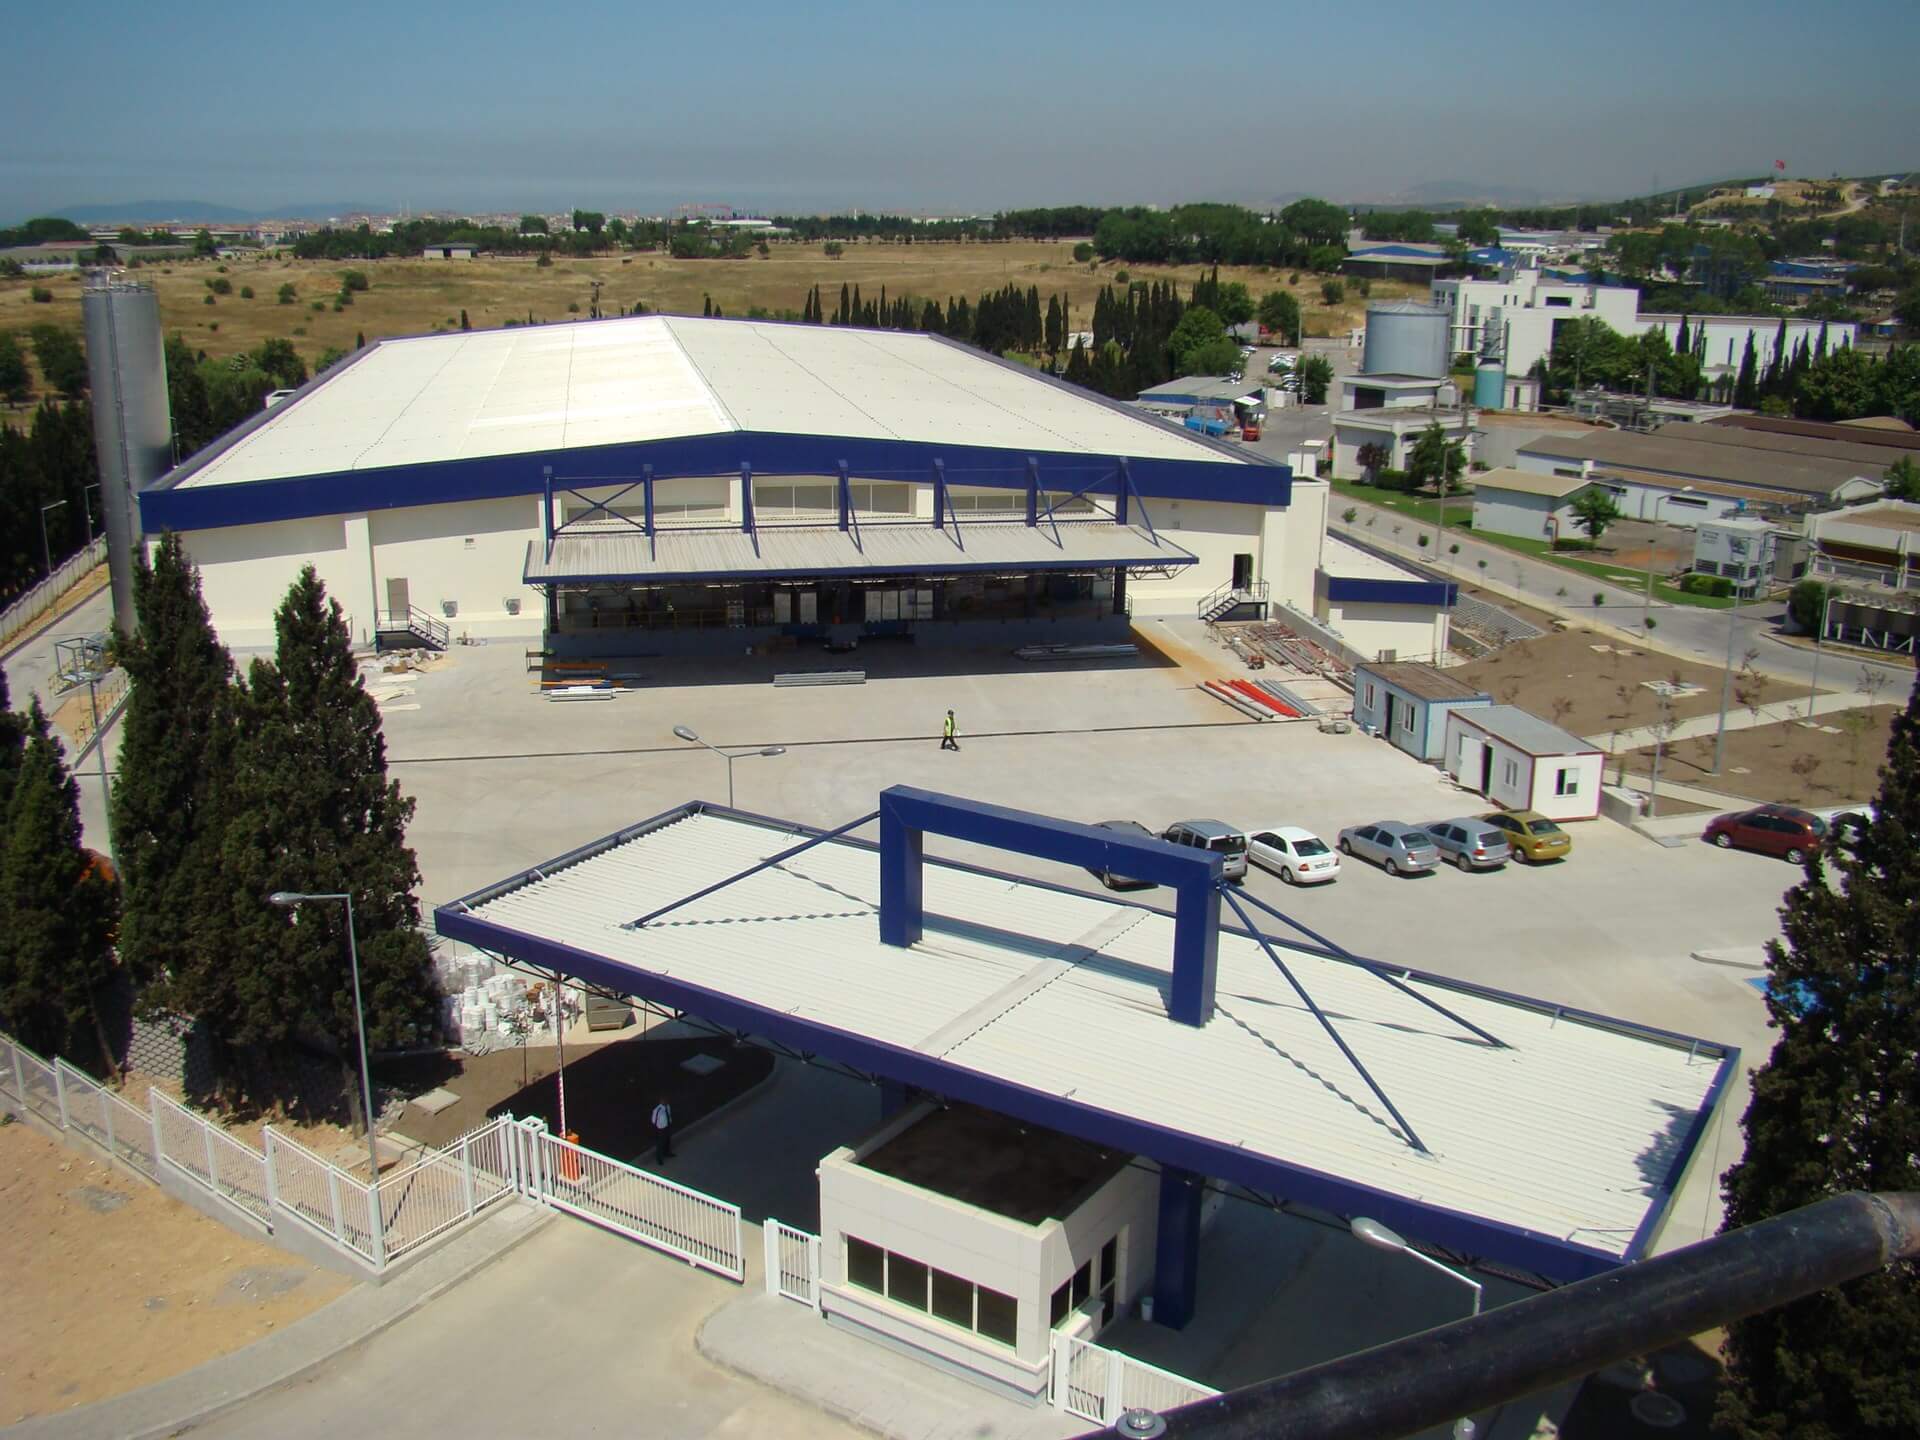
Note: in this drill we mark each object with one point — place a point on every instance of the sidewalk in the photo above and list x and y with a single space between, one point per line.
784 1344
185 1401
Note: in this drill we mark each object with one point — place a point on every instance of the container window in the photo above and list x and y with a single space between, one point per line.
999 1316
906 1281
953 1299
866 1265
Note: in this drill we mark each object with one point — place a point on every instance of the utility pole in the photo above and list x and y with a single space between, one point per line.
1726 684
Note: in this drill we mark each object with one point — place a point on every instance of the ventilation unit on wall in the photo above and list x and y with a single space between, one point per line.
449 608
511 604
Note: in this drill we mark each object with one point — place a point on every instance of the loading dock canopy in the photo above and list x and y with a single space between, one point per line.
1555 1151
775 552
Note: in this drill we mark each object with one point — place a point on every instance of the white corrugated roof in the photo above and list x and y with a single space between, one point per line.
1565 1133
629 380
813 550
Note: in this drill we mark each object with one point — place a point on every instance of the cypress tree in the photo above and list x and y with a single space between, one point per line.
1837 1108
311 809
174 739
1683 342
844 315
12 743
464 324
360 336
57 909
1745 395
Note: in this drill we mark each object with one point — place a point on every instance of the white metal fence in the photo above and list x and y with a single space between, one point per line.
326 1198
792 1263
44 596
1099 1384
699 1229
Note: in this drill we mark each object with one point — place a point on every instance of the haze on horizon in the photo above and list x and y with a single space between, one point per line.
771 107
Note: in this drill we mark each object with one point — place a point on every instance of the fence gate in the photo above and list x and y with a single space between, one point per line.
1100 1385
793 1263
642 1206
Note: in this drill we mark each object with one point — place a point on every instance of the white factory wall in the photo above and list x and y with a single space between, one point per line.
1214 531
466 557
1384 632
1514 512
1352 430
1297 535
245 571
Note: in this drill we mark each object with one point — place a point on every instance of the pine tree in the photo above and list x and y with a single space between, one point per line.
1683 342
174 739
360 336
1837 1108
311 809
464 323
57 910
12 743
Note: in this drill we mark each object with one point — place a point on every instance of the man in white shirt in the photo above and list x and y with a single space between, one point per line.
662 1133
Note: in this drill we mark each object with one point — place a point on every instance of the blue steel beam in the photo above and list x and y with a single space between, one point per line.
907 815
766 864
1327 1025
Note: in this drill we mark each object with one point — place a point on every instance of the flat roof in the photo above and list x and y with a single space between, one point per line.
1676 450
543 388
1888 431
1340 556
896 547
1526 731
1847 446
990 1161
1555 1151
1420 680
1527 482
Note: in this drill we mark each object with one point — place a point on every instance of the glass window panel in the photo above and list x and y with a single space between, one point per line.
1062 1303
1110 1261
866 1265
1083 1282
953 1299
906 1281
999 1315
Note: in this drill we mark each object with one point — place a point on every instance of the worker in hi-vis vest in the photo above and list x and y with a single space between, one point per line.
947 742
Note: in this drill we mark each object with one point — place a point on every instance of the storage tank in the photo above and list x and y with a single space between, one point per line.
1490 385
132 422
1406 337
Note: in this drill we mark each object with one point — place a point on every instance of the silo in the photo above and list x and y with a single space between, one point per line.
1490 375
132 422
1405 337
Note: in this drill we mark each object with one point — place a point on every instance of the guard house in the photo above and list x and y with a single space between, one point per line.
1177 1047
1407 703
1521 762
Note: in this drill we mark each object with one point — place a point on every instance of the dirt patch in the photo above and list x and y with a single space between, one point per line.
1586 683
1834 761
122 1283
611 1090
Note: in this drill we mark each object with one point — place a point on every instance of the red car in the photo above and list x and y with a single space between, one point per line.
1780 830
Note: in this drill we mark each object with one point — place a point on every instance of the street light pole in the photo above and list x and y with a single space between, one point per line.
686 733
100 754
87 510
46 552
1726 683
287 900
1373 1233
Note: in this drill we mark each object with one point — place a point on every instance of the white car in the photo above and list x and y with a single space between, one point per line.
1298 857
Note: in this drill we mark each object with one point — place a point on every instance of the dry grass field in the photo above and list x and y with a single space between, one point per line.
411 297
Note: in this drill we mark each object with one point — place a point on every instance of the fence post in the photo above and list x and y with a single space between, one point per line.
466 1173
60 1092
13 1069
106 1110
153 1112
813 1271
378 1227
213 1169
1057 1372
333 1199
273 1189
770 1247
1116 1387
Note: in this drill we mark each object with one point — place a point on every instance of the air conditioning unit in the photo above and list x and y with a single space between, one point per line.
449 608
511 604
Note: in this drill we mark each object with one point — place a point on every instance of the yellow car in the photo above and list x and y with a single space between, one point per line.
1531 835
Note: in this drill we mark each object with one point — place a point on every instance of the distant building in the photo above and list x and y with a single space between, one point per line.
1417 263
1738 549
1877 544
447 252
1530 506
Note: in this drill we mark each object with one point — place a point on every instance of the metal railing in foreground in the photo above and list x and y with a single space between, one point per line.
1101 1385
1546 1340
792 1263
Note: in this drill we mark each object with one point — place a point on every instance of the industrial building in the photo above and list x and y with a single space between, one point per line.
1063 1079
1407 703
1530 505
1403 387
1418 263
1521 762
1877 544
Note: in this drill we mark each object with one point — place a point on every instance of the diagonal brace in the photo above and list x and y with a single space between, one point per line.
1326 1024
766 864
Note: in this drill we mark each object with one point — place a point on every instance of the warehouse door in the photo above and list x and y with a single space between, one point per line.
397 601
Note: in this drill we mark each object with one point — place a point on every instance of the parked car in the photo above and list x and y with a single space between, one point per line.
1298 857
1135 830
1470 843
1399 848
1779 830
1531 836
1226 841
1848 820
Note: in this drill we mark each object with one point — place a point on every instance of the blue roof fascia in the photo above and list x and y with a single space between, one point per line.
503 476
1552 1256
1668 1189
1392 592
832 572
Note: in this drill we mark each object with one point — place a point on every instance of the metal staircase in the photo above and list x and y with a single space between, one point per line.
409 629
1230 597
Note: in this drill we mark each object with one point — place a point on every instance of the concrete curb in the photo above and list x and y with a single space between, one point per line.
182 1402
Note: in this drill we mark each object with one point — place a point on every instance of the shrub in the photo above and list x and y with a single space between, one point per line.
1571 542
573 307
1599 598
246 292
545 262
353 280
1121 277
833 249
1333 292
207 299
1718 586
1083 252
219 284
345 297
287 293
41 295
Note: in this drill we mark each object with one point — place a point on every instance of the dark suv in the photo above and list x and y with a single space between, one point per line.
1779 830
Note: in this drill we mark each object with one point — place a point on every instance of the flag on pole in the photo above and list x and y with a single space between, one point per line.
1780 165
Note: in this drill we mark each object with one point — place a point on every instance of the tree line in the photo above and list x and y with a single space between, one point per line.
1308 235
230 787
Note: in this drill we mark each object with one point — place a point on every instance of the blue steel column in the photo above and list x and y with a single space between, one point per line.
1176 1247
845 491
939 493
546 484
902 912
646 494
1122 484
1033 490
1196 949
746 498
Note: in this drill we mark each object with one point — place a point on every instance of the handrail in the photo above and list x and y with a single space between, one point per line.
1253 590
416 620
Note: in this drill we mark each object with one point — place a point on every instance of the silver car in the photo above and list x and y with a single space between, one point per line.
1471 843
1398 848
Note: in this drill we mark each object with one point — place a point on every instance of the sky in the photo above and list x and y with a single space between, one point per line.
771 107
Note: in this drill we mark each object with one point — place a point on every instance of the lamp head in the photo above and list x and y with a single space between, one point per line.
685 733
773 750
1372 1232
285 898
